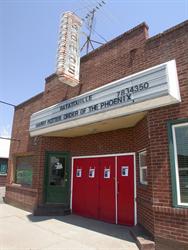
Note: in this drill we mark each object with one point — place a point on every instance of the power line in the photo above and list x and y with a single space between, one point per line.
84 7
7 103
10 139
109 15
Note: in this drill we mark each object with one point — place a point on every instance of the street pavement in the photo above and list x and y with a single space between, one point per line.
19 230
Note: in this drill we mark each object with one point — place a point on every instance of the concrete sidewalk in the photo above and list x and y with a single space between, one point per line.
19 230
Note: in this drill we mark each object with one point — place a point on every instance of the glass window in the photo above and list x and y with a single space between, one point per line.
3 166
180 143
57 171
143 167
24 170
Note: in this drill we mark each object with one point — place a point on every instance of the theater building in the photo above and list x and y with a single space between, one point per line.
115 146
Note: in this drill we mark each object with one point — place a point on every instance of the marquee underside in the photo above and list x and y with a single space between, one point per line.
99 127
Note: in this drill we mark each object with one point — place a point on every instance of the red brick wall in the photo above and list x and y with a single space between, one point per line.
23 197
24 145
130 53
166 225
3 180
171 223
144 192
174 223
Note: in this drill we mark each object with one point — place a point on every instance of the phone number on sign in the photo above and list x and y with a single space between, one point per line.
133 89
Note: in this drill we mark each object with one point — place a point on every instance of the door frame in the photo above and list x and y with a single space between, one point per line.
46 172
108 155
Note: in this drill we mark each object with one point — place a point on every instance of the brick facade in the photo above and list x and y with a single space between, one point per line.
127 54
3 180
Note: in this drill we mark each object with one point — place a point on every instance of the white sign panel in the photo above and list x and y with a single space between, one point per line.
78 172
151 88
91 173
106 173
68 56
124 171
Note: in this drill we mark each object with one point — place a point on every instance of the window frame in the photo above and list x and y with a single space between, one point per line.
172 125
144 151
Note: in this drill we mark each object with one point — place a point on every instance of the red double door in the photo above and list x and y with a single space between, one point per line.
103 188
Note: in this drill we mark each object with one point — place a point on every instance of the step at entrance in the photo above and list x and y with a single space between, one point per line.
51 210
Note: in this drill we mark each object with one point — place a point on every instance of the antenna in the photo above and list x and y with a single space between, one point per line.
89 20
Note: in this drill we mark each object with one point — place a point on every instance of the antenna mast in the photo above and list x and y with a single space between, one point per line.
89 20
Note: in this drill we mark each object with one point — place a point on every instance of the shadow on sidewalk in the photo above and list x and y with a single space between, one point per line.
117 231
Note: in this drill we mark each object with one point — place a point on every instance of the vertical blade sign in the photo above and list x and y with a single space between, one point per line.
68 55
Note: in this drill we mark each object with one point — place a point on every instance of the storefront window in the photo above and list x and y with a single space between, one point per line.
143 168
24 170
3 166
180 150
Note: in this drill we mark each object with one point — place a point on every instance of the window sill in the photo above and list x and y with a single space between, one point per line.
143 184
3 174
181 206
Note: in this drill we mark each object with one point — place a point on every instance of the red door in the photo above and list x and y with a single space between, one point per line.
91 187
78 192
107 189
125 193
85 187
94 188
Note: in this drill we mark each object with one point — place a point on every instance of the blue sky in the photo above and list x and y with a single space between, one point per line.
29 36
